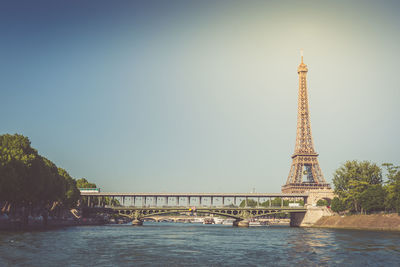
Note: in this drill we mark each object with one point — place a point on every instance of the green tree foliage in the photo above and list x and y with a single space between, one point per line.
250 203
392 188
322 203
83 183
275 202
112 202
352 179
72 193
337 205
372 198
27 179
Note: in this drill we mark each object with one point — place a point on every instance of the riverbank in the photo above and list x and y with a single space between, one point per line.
381 222
16 224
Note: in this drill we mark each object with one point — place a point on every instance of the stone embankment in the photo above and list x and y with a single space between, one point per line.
383 222
70 218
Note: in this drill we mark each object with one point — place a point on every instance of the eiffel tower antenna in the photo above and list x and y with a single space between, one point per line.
301 54
305 174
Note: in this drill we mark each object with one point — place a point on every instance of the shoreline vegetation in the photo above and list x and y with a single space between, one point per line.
34 192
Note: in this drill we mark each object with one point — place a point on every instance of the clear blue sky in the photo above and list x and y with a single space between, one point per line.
199 95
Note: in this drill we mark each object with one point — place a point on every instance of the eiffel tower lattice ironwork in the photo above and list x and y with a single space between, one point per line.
305 173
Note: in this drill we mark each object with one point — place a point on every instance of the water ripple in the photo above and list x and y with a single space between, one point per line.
166 244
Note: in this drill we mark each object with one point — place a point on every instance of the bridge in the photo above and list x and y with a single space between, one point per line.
138 206
177 199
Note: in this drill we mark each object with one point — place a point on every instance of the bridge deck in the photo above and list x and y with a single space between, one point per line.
255 195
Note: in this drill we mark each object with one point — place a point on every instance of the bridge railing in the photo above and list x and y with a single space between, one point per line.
193 200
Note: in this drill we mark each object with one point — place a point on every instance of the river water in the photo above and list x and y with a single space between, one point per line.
175 244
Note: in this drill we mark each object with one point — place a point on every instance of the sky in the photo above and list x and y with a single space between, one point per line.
198 96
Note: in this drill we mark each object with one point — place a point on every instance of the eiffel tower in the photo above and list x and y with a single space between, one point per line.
305 175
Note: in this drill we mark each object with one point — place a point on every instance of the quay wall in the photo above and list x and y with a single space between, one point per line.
310 217
385 222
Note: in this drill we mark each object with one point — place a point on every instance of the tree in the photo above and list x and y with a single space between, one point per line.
29 180
353 178
322 203
72 193
373 198
250 203
337 205
392 188
83 183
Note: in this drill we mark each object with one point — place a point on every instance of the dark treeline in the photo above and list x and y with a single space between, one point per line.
274 202
360 188
31 183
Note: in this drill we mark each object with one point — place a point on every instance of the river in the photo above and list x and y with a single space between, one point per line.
175 244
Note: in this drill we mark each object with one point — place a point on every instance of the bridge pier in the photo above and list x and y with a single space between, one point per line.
137 222
308 218
241 223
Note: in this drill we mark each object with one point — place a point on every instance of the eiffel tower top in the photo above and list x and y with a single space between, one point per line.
302 67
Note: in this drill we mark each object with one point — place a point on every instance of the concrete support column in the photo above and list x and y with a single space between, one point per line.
166 201
234 201
155 201
188 200
199 201
123 201
177 201
223 201
211 201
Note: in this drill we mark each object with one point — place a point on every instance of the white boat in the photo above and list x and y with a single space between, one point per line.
228 221
218 220
257 223
198 220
